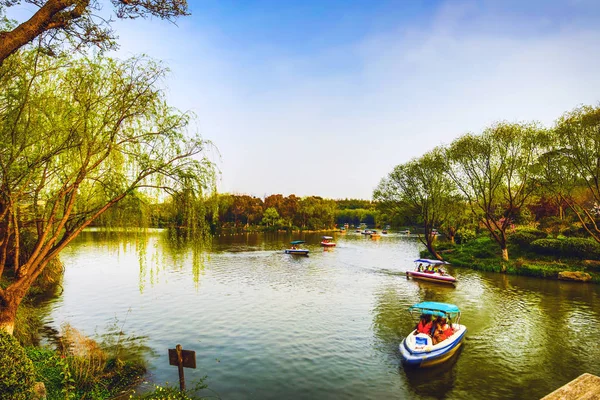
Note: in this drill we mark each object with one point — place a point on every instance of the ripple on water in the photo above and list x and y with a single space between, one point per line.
269 325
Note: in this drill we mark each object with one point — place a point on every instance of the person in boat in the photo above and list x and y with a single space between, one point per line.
424 325
294 247
420 267
441 330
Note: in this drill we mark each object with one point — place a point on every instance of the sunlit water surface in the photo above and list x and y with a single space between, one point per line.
267 325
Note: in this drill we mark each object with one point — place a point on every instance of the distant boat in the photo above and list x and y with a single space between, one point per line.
295 250
384 232
327 241
405 232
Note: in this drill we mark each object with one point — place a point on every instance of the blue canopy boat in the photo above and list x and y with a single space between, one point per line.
418 349
295 250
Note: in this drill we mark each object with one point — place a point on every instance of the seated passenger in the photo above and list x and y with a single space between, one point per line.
424 325
441 331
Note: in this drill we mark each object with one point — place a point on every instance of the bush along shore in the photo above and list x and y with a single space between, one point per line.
534 253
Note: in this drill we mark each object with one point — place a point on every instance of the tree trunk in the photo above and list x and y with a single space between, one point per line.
504 253
8 313
429 239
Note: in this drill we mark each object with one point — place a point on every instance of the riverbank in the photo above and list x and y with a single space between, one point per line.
483 254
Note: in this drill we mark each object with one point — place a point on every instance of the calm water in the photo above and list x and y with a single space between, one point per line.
267 325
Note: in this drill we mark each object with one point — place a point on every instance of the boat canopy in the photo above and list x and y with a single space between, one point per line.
435 308
297 242
327 237
432 262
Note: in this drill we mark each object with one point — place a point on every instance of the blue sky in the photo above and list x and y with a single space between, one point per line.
326 97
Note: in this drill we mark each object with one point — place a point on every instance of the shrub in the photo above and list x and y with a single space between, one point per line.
568 247
17 375
524 236
581 248
464 235
547 246
553 225
28 324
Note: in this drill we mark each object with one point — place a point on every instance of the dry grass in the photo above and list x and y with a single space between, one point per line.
86 359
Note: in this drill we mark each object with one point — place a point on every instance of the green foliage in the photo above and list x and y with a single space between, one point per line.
553 225
581 248
168 392
547 246
464 235
81 369
17 375
568 247
77 136
28 324
524 236
49 370
355 216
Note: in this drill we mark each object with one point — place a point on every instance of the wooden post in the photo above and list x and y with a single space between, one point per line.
180 367
182 359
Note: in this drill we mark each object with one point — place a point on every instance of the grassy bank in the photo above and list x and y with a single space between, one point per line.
483 254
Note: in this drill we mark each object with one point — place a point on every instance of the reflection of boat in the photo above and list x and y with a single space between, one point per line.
418 350
374 234
295 249
327 241
430 270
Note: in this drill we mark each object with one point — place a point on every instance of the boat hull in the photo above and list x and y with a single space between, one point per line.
297 252
437 355
327 244
431 277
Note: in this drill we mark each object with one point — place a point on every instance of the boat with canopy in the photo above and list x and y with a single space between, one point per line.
295 249
432 271
327 241
437 337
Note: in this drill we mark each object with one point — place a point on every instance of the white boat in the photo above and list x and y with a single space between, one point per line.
431 270
418 350
295 250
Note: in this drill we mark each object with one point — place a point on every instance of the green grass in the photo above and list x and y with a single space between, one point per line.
483 254
116 377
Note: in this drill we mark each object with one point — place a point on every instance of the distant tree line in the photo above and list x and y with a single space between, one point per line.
508 175
227 211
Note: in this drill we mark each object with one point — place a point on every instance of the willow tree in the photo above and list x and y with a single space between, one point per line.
76 137
495 173
420 185
76 22
575 160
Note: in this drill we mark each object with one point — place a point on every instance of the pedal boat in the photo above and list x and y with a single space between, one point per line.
295 250
327 241
432 271
417 349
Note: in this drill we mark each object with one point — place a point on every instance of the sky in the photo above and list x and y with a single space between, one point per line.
325 97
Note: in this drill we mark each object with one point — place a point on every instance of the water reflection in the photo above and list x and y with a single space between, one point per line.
328 325
436 382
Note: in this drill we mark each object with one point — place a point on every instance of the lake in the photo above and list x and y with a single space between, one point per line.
267 325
